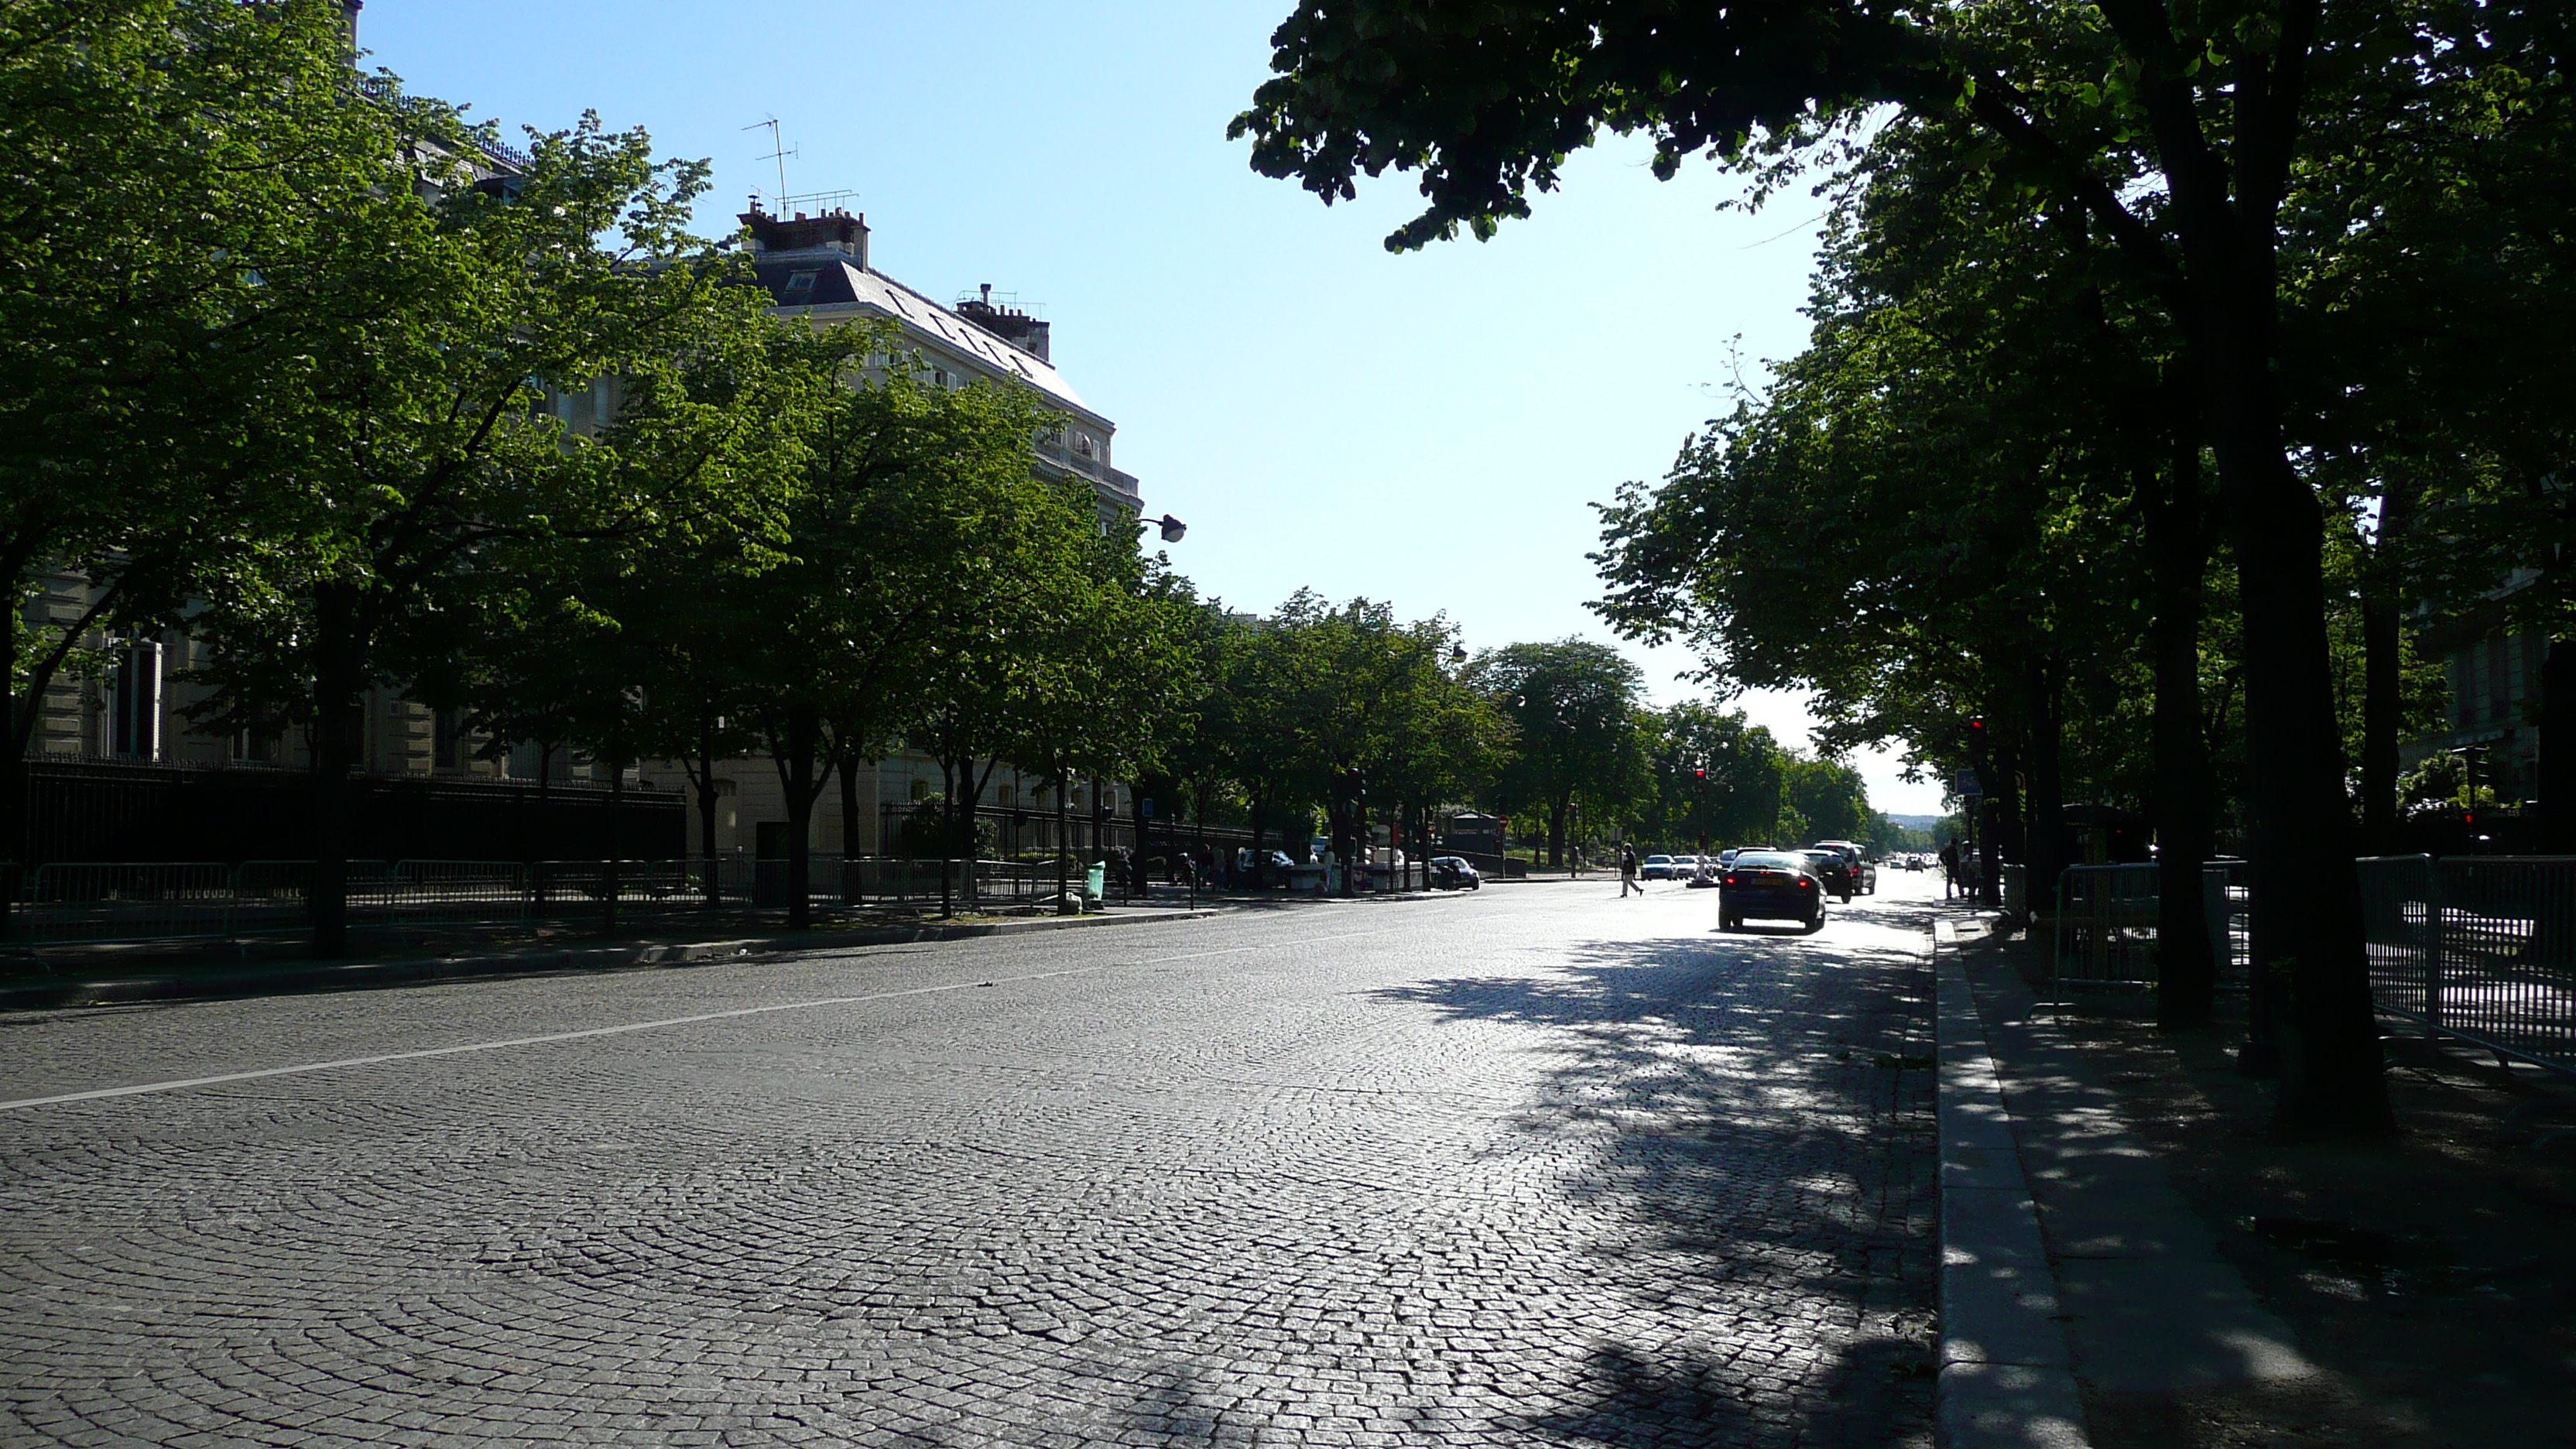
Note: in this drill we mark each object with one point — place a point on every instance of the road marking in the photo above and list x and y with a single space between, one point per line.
183 1083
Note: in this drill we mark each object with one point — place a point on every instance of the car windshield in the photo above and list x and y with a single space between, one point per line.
1768 860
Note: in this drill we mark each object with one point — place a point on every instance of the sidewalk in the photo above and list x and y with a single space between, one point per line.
84 984
2072 1271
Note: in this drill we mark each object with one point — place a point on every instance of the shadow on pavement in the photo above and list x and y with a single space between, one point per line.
1752 1117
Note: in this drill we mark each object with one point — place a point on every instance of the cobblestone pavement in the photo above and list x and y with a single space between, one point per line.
1532 1165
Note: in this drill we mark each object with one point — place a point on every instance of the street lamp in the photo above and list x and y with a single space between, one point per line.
1172 527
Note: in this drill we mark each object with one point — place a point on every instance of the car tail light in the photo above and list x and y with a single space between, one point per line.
1730 880
1805 884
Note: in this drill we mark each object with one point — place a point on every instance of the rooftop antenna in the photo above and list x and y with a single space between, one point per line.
779 151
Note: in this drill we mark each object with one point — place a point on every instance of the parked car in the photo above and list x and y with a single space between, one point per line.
1770 885
1657 867
1280 865
1451 873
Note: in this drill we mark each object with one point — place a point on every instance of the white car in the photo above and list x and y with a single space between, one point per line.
1658 867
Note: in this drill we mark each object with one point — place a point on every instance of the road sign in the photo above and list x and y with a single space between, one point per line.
1966 786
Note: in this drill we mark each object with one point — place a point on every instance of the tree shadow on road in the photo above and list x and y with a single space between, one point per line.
1749 1117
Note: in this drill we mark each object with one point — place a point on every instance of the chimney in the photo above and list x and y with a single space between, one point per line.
836 232
1010 324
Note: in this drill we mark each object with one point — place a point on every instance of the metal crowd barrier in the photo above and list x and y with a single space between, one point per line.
2103 932
2482 948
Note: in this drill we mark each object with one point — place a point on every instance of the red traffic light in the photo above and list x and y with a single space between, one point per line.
1702 774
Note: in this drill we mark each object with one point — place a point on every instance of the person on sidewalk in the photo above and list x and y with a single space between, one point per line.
1628 872
1950 870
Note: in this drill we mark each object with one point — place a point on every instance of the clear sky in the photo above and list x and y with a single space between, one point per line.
1427 429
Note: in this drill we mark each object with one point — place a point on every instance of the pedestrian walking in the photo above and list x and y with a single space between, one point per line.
1628 872
1950 869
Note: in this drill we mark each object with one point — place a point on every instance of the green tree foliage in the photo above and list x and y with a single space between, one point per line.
1345 707
912 497
1715 779
1574 708
410 448
167 169
2175 138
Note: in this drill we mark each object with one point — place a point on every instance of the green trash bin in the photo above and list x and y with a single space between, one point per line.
1095 883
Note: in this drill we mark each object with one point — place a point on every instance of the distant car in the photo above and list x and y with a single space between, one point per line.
1770 885
1451 873
1862 875
1657 867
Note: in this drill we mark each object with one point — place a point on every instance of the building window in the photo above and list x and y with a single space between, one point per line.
135 704
599 402
920 788
800 286
1009 795
939 377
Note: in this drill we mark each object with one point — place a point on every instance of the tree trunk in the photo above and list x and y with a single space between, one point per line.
17 732
848 764
2558 743
704 778
2001 810
2383 644
1556 812
335 705
1063 843
2332 1081
616 814
2044 830
1140 867
2178 549
803 741
947 832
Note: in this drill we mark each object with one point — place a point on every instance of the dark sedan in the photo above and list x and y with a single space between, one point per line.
1452 873
1770 885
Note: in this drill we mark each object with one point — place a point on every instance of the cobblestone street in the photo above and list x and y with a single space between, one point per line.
1532 1165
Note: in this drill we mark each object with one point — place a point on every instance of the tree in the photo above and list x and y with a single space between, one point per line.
162 169
1717 779
1573 705
1932 514
2172 131
906 498
409 447
1060 645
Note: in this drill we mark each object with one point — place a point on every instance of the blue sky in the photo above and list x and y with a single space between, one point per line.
1427 429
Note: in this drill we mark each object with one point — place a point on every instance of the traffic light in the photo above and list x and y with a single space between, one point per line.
1699 774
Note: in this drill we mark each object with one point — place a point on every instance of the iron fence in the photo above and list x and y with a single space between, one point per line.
2104 930
2482 948
126 902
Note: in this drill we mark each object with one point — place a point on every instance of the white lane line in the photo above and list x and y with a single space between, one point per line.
182 1083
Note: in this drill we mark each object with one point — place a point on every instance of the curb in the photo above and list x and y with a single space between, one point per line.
2007 1372
358 975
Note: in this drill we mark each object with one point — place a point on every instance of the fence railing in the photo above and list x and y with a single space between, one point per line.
105 903
2482 948
2104 929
